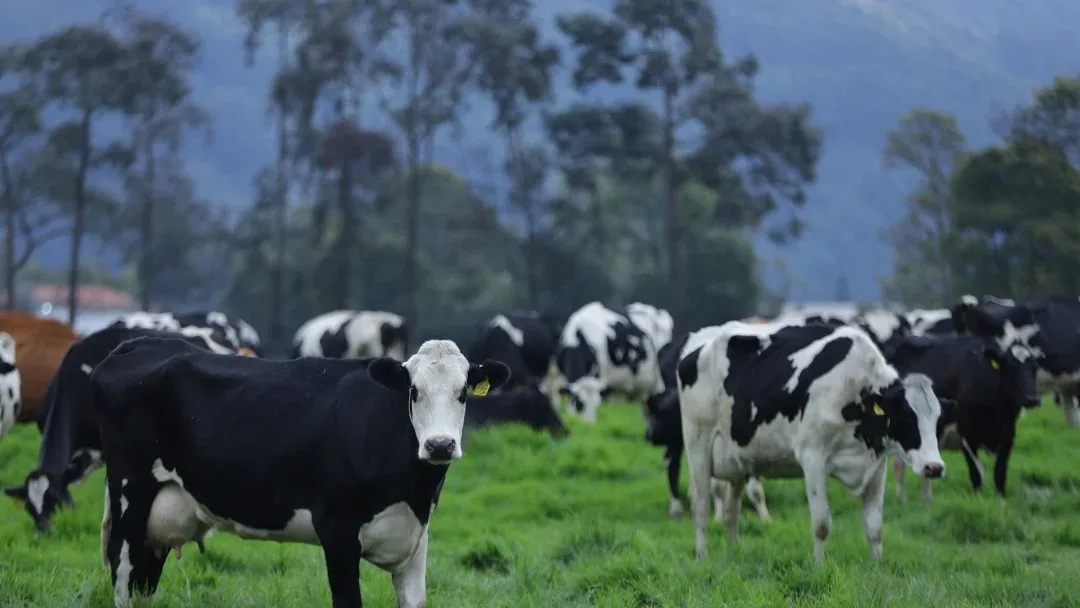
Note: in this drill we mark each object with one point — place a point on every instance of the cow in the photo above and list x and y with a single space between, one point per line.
346 454
601 350
522 404
655 322
10 385
801 401
70 440
991 387
930 322
1048 327
526 343
342 334
40 345
236 333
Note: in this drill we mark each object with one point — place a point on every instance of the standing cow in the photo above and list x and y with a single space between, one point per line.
991 387
526 343
1048 327
40 345
10 385
195 441
70 440
601 350
344 334
801 401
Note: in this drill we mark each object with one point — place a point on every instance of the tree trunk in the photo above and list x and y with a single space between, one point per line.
412 212
277 268
146 237
343 277
78 224
9 236
670 217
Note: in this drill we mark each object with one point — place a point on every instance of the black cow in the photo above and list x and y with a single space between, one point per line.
1048 327
990 388
524 341
347 454
524 404
70 441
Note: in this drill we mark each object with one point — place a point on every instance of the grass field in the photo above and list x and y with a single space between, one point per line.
528 522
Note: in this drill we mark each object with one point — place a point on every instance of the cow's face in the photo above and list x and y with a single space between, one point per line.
1016 369
585 395
41 496
907 412
438 379
10 385
663 423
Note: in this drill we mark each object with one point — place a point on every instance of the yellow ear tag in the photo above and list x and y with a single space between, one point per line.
481 388
994 364
878 410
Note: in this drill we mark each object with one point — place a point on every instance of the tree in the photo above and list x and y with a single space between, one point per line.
930 145
80 70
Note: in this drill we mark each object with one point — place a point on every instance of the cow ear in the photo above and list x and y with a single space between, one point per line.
18 494
992 359
486 376
390 373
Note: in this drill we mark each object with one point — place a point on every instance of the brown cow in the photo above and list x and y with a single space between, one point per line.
40 345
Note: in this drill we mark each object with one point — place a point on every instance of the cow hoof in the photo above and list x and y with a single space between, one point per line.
675 509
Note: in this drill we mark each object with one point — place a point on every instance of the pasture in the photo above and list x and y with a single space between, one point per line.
525 521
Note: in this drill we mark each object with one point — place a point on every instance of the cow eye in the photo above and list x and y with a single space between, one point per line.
414 394
464 394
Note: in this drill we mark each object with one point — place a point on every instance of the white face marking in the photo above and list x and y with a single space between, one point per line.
516 335
1012 335
35 492
919 394
438 372
588 392
391 538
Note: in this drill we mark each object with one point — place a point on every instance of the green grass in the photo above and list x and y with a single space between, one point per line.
528 522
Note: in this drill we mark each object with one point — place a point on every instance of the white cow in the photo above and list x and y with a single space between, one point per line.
786 401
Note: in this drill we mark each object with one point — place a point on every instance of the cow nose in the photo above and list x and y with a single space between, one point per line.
933 471
440 447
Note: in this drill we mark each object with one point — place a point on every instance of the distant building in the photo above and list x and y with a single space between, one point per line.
99 305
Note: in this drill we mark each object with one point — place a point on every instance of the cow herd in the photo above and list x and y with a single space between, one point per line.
346 444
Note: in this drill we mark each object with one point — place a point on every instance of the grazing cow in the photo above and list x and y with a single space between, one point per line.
10 385
40 345
526 343
930 322
801 401
70 440
990 386
343 334
601 350
195 441
655 322
1048 327
524 404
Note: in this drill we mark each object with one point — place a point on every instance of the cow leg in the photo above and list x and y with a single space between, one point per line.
719 493
817 495
1001 464
1071 405
898 472
732 506
927 491
134 566
756 492
106 528
975 471
873 502
410 583
342 554
672 460
699 468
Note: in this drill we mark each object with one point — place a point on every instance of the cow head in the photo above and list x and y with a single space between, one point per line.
438 378
901 419
10 385
1009 376
41 495
586 394
663 422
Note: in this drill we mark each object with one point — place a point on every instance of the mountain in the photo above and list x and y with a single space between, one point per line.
860 63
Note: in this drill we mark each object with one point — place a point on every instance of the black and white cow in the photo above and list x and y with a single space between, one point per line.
601 350
885 328
233 333
522 404
10 385
932 322
801 401
343 334
526 343
70 440
1048 327
655 322
991 387
195 441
